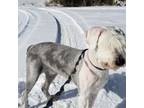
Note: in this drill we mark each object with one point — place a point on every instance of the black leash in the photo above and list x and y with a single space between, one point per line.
57 95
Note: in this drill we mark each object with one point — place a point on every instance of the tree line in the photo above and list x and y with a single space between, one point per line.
76 3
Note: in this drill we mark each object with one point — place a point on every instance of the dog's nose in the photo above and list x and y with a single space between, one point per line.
120 60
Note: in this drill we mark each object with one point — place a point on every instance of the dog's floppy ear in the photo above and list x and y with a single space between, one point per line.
117 30
92 36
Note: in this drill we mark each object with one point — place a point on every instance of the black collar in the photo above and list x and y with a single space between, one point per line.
86 62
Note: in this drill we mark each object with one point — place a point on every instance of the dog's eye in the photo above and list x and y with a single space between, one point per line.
106 64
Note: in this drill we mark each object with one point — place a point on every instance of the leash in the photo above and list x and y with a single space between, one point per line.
57 95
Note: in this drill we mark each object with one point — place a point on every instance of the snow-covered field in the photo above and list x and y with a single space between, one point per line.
67 26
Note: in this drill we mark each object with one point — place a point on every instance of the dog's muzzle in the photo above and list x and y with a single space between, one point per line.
120 60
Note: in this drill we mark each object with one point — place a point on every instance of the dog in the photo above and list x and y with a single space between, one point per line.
106 50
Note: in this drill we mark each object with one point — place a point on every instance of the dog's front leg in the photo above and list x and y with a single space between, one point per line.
87 87
87 98
83 100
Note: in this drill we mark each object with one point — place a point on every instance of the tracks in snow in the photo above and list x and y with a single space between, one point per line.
71 33
68 30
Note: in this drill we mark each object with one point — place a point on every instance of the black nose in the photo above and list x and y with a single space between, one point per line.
120 60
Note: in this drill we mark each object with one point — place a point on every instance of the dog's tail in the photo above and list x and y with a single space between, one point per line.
29 48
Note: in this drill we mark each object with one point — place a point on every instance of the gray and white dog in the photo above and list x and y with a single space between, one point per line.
106 51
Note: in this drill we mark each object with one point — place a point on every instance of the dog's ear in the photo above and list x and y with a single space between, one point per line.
92 36
116 29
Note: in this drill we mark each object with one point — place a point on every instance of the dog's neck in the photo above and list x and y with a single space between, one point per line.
91 61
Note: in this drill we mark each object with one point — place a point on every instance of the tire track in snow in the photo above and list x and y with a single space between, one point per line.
23 24
30 21
58 39
71 38
72 33
29 27
80 20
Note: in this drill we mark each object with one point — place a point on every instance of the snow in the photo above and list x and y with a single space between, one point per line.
40 3
67 26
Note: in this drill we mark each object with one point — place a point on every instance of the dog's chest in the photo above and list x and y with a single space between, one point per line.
92 80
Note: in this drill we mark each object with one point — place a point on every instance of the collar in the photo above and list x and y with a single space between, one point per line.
89 64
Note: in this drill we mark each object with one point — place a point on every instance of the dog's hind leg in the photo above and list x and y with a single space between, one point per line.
49 79
34 69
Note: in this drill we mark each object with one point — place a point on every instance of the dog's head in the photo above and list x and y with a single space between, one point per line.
108 46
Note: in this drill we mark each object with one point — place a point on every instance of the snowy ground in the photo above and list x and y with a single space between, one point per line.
67 26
